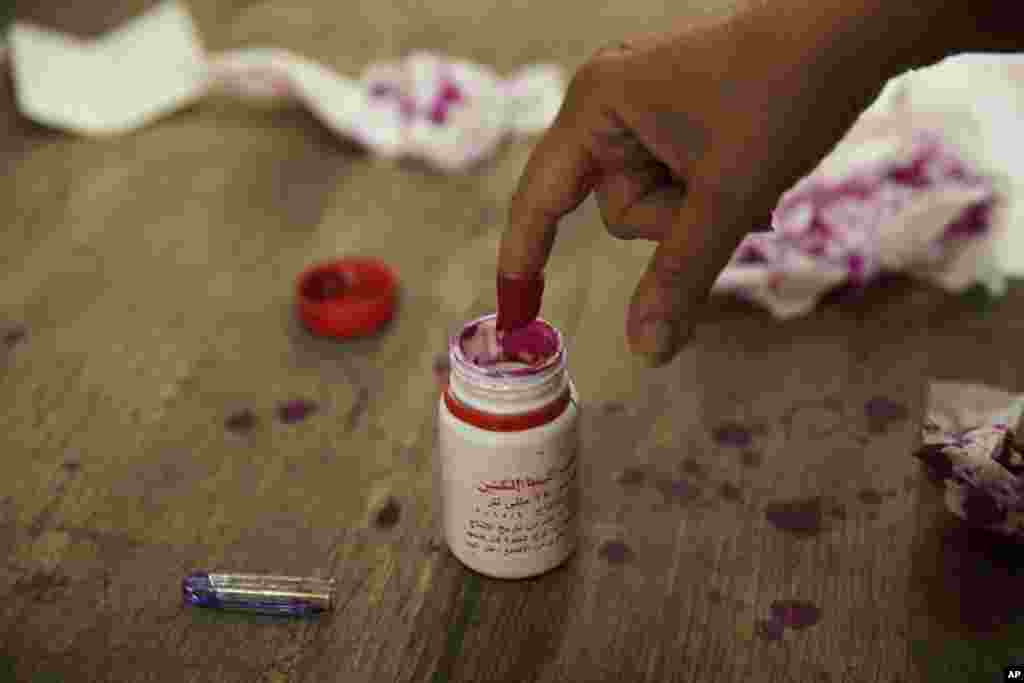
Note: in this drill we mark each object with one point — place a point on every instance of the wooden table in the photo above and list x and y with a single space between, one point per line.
151 278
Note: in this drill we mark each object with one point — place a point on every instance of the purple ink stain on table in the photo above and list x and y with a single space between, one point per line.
750 458
769 629
799 517
881 412
295 410
796 614
241 422
615 552
388 515
631 476
15 335
677 489
870 497
730 491
732 434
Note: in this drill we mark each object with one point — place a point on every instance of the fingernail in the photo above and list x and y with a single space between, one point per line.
656 342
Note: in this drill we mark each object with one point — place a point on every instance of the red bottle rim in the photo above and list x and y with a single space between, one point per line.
493 422
348 297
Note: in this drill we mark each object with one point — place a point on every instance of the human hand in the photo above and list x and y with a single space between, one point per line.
687 139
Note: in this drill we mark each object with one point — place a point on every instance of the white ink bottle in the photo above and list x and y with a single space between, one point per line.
509 441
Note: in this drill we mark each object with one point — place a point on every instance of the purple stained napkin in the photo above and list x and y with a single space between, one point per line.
970 447
928 182
448 112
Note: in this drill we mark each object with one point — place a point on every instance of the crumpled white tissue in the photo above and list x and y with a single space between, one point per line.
449 113
972 446
929 181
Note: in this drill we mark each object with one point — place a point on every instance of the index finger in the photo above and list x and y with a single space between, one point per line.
556 180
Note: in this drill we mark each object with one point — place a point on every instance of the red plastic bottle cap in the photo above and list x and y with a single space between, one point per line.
350 297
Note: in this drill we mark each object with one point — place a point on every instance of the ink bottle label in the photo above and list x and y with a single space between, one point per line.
509 446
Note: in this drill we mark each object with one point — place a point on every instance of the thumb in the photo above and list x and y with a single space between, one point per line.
684 267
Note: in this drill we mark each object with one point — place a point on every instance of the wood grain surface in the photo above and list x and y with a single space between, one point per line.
745 519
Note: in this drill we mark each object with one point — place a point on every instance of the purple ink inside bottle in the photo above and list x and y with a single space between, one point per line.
524 352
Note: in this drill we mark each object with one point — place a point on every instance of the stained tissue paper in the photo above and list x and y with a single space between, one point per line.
449 113
928 181
974 448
